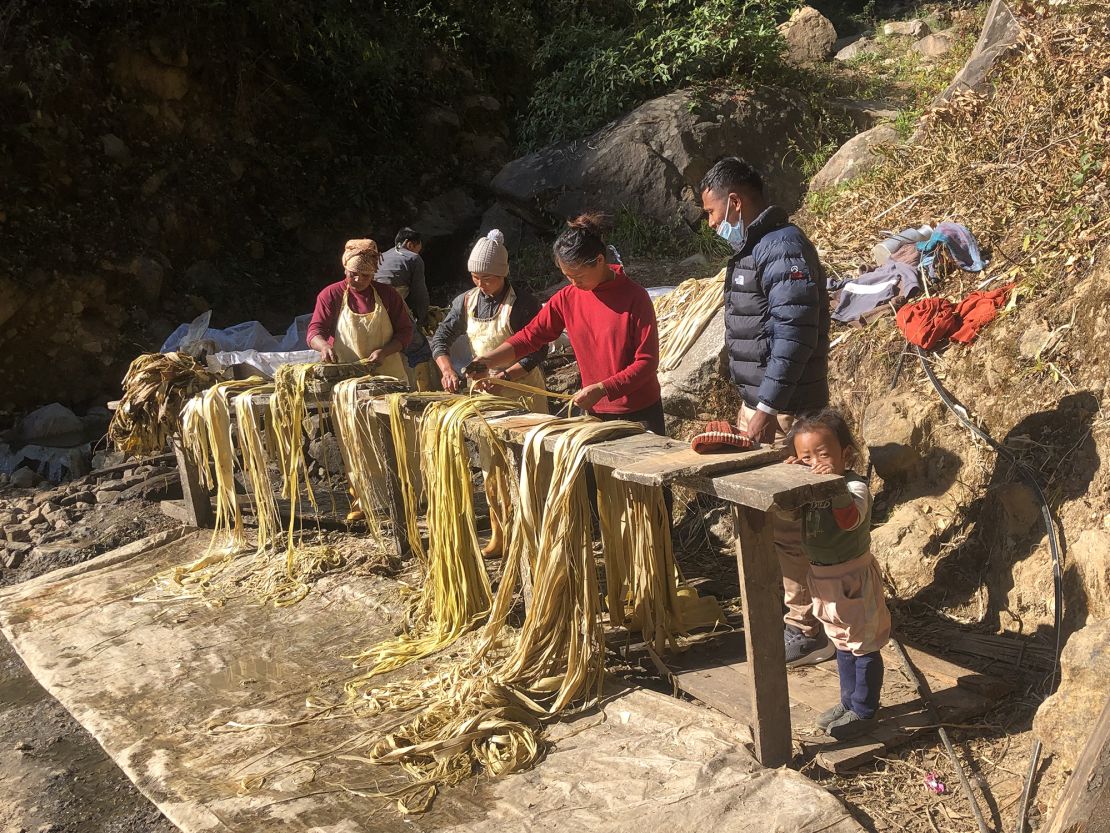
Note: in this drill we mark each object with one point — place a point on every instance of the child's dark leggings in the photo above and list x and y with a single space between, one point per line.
861 680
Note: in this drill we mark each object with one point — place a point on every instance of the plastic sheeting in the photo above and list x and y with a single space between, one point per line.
166 689
248 336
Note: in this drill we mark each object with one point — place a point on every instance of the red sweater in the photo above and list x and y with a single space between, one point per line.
614 335
329 303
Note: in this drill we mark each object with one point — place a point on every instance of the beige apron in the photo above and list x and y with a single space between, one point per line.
357 335
489 333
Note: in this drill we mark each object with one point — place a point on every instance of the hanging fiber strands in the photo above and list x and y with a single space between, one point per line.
405 454
287 414
206 437
683 313
455 595
155 389
640 570
363 448
487 711
256 467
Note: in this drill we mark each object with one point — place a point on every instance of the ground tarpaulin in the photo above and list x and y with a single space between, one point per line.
164 687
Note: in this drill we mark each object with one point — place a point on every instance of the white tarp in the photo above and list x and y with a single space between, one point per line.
166 686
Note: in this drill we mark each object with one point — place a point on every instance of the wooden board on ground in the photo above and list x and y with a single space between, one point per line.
715 673
669 466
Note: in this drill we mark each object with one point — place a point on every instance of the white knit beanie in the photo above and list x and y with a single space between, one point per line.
489 255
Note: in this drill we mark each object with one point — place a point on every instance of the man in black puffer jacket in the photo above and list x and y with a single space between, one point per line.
777 333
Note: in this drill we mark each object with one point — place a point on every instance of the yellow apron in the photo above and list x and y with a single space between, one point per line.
488 333
357 335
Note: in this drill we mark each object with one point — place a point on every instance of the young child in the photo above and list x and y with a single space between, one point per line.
844 581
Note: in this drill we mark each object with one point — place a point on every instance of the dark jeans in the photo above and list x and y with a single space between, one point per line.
650 417
861 681
653 420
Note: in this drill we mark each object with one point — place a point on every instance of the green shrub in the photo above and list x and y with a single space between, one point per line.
602 63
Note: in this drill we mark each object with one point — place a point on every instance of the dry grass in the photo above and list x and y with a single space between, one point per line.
1024 166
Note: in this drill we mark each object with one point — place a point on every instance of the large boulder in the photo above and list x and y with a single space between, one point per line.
809 36
855 157
1001 31
652 160
936 45
698 388
897 431
1065 719
1087 579
454 212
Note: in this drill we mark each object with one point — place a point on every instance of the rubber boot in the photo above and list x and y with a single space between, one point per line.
356 513
493 548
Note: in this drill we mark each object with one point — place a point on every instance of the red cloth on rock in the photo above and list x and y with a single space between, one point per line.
927 322
977 310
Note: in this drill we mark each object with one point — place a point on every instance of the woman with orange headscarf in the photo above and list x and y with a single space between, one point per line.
359 318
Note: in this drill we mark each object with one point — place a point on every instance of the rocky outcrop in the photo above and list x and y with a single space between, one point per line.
652 160
1064 720
906 29
1000 33
855 157
896 431
935 46
809 37
698 388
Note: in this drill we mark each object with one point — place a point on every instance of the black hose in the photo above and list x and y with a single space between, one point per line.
924 693
1054 548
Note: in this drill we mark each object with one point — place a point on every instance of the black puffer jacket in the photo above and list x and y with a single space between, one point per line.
777 318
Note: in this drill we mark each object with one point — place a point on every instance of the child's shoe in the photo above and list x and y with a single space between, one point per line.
829 715
806 650
848 725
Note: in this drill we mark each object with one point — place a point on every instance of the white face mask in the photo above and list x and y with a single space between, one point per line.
732 233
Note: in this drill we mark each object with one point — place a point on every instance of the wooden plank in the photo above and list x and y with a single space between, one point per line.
714 671
778 486
761 599
627 451
896 725
1084 806
668 467
198 505
935 668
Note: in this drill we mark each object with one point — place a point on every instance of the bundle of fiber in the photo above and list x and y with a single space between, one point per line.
683 313
455 595
155 389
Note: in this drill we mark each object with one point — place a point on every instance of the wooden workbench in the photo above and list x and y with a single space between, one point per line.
752 481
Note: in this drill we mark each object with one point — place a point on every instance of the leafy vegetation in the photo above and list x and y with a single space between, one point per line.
608 58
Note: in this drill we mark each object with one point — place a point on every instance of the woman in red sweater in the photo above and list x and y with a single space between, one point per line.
610 321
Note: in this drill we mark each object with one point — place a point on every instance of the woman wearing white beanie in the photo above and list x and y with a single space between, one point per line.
487 315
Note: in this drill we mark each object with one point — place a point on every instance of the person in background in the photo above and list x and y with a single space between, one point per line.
487 315
777 334
845 581
402 267
610 321
357 318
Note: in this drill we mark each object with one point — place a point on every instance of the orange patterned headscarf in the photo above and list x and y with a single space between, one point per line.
361 257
